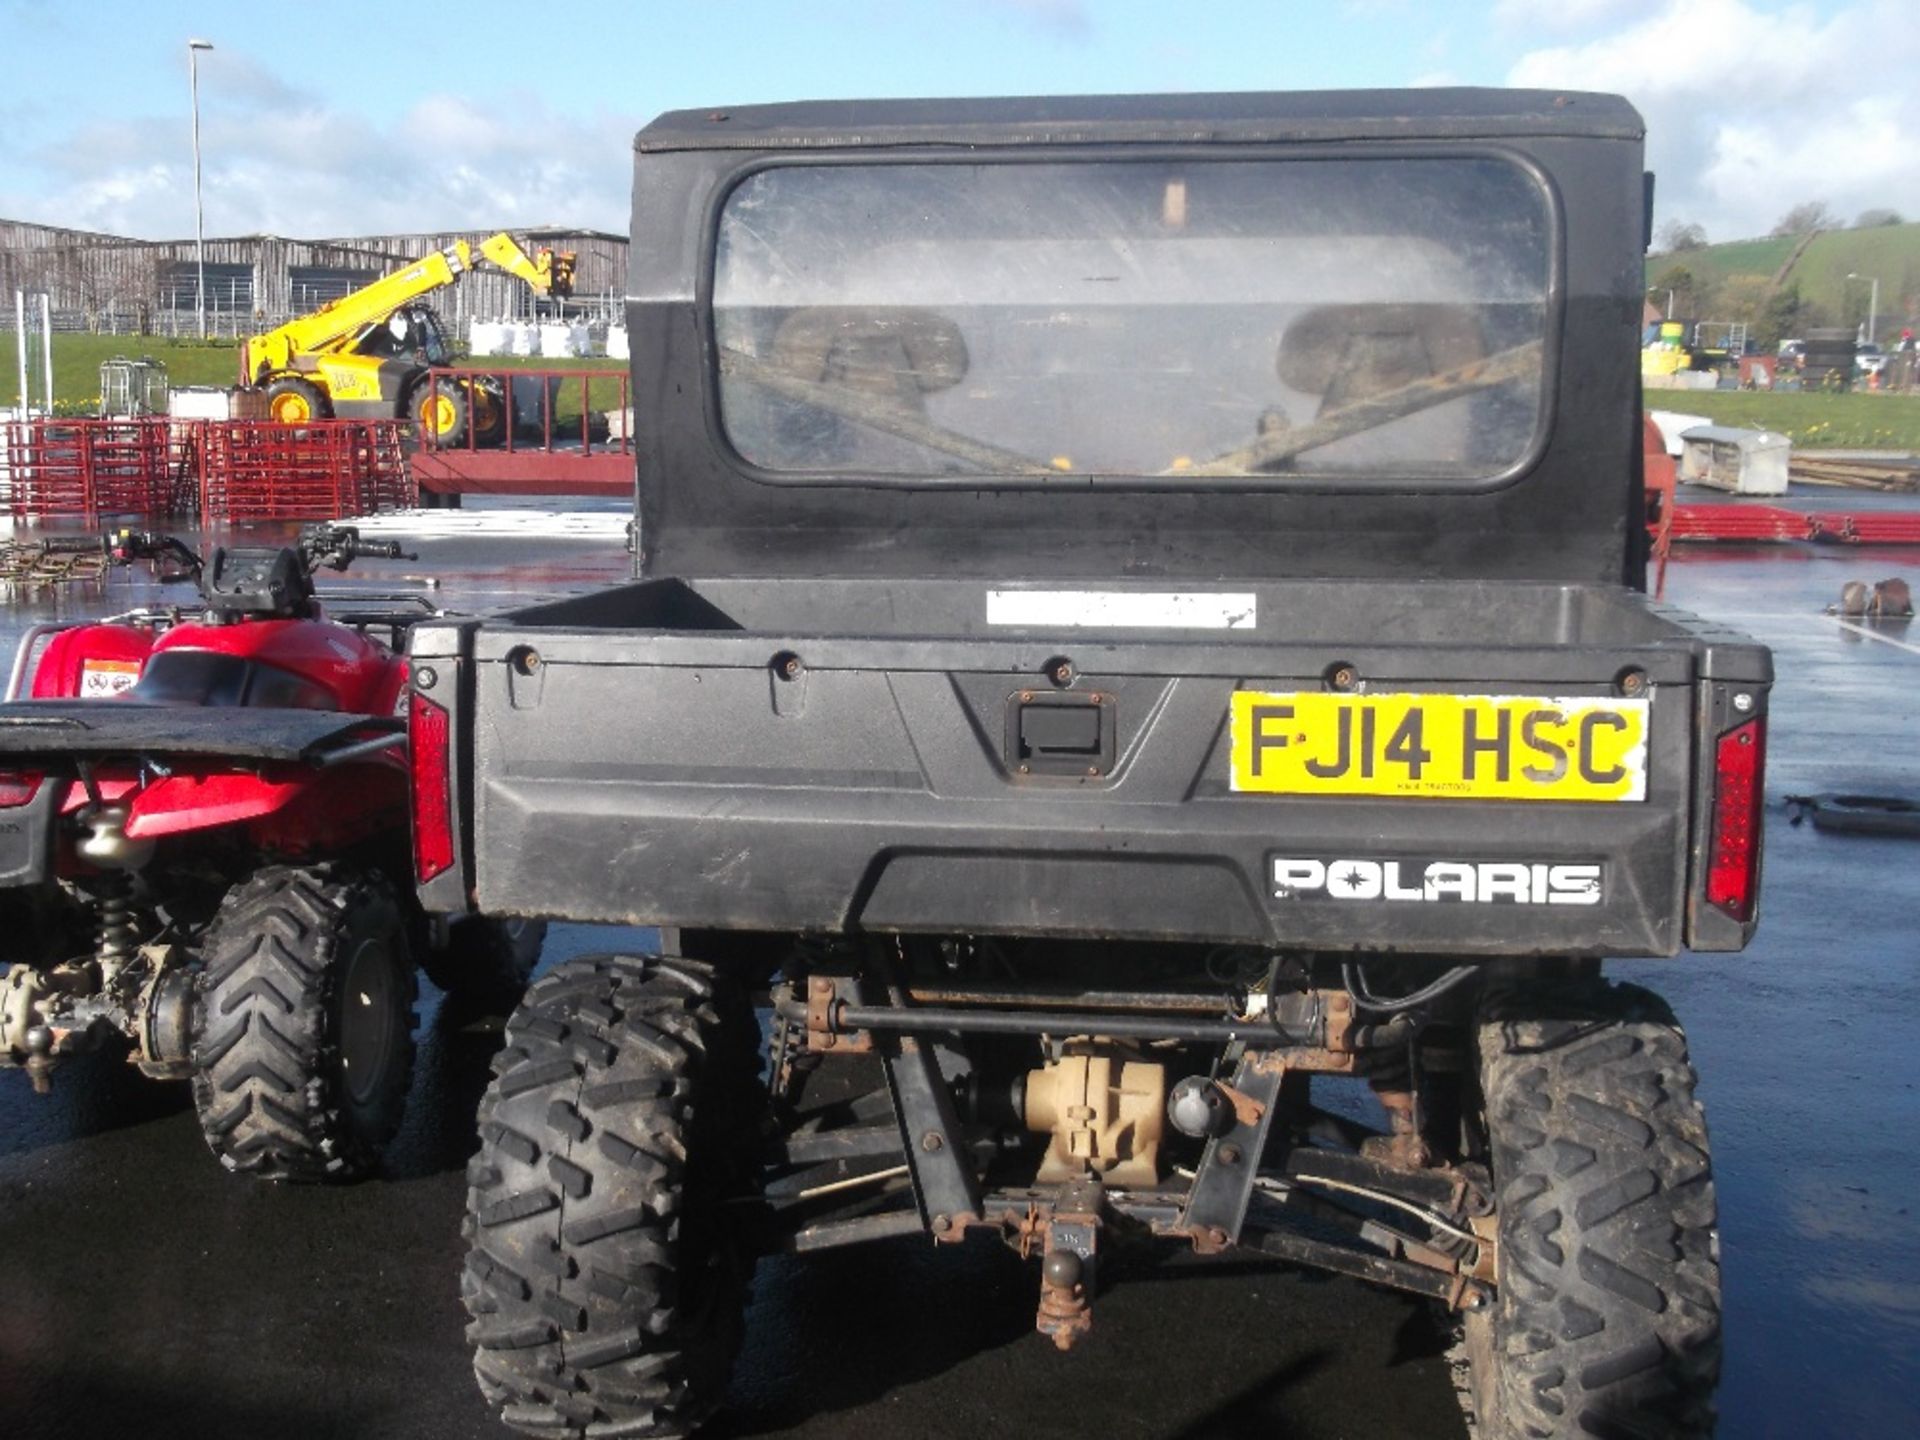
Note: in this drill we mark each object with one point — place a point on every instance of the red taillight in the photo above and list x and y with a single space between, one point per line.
17 788
1733 859
429 741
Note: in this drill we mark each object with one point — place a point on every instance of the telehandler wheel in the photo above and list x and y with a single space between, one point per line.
1607 1317
304 1020
441 411
486 962
293 402
606 1278
489 413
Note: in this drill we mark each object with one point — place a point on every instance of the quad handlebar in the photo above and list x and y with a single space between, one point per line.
334 547
320 547
127 546
238 583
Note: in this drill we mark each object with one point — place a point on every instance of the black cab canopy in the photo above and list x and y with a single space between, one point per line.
1289 116
1342 334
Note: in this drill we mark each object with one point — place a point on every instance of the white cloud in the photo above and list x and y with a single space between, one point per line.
279 160
1566 15
1750 111
1070 19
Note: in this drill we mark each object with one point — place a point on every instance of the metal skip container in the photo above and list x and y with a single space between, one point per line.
1745 462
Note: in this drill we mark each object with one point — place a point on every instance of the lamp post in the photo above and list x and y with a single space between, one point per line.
1873 301
194 47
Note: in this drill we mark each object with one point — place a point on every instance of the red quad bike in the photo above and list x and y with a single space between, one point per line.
198 813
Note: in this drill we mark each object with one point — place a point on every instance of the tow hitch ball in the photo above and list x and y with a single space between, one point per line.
1064 1316
1071 1237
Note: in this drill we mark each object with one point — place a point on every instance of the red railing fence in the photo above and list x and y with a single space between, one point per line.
225 470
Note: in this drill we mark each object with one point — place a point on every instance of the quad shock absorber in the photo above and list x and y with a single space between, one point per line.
107 846
116 932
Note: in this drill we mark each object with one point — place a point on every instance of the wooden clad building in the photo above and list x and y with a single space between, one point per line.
101 281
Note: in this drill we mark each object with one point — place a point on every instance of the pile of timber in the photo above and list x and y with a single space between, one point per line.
1891 476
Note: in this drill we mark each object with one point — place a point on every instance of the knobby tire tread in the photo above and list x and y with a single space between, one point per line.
1607 1319
602 1303
265 1082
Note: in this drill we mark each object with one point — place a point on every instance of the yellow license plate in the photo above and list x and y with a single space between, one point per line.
1469 747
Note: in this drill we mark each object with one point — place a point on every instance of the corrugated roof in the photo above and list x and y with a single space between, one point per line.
346 242
1735 435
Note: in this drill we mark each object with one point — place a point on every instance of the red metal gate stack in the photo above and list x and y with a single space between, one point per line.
95 468
319 470
229 470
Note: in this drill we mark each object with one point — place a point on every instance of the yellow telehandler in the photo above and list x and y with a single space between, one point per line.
367 354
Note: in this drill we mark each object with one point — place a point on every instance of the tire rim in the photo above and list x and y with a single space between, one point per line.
437 413
367 1022
290 409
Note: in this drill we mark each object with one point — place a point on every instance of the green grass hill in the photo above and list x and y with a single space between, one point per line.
1731 281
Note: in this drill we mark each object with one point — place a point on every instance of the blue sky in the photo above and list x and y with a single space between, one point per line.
481 114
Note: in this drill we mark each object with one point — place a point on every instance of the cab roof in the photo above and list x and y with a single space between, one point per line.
1242 118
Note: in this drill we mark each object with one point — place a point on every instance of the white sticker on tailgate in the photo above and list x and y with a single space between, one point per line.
1122 609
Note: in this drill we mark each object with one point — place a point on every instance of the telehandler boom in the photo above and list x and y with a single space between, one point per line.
367 354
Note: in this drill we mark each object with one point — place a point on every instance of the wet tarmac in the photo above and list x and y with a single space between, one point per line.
145 1292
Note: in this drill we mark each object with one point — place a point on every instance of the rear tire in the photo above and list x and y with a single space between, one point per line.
486 962
295 402
1607 1316
304 1021
605 1277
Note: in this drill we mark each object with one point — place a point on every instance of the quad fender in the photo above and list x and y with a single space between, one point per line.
91 661
200 802
289 810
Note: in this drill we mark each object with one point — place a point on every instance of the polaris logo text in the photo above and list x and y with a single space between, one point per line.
1461 882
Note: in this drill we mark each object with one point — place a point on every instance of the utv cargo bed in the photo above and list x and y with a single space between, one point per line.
827 755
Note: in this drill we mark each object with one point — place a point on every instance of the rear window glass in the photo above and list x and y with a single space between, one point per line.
1222 318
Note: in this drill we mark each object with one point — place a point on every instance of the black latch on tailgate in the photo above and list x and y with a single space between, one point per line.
1060 733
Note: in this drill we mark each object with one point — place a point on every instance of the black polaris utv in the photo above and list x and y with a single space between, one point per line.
1137 640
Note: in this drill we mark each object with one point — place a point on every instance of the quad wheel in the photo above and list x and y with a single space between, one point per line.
604 1278
294 402
442 411
486 962
303 1019
1607 1317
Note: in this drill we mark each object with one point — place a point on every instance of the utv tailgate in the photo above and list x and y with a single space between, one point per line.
713 770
